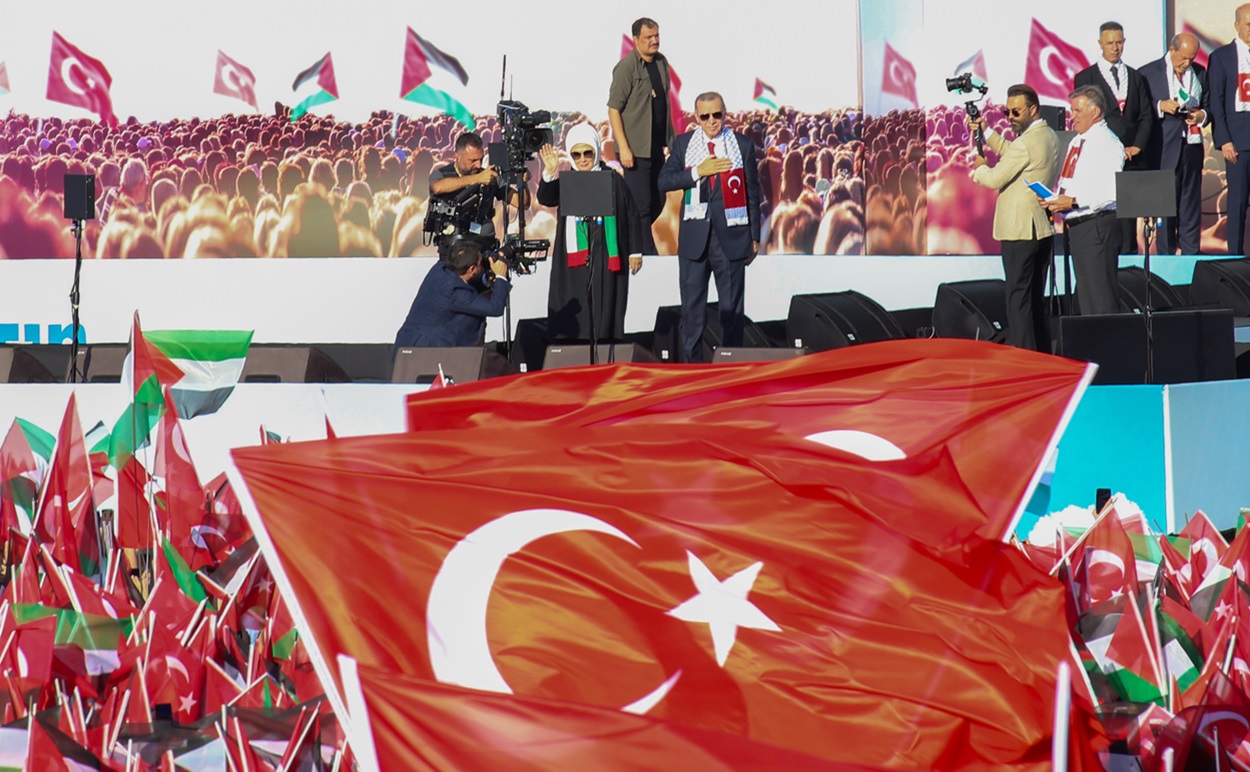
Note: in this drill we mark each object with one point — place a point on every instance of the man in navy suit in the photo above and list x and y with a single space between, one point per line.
720 221
1178 91
1230 123
1128 109
449 310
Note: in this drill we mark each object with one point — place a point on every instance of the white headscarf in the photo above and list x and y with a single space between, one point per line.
583 134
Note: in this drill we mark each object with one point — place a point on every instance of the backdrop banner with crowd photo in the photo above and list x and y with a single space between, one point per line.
381 93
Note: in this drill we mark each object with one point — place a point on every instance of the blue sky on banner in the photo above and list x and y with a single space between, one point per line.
936 35
162 60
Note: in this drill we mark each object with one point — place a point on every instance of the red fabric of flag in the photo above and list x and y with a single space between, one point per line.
79 80
940 402
1052 63
234 80
898 76
725 577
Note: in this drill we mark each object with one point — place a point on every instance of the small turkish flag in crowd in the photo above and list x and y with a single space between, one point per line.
79 80
1052 64
235 80
898 76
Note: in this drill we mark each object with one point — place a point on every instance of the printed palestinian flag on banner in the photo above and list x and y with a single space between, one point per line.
314 86
4 79
431 77
211 362
765 94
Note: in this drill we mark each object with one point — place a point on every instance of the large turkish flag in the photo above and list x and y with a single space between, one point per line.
989 412
729 578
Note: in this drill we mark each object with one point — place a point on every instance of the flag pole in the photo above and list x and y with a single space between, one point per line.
1063 709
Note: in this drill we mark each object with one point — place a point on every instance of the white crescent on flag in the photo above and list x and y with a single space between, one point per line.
456 611
1047 54
872 447
66 75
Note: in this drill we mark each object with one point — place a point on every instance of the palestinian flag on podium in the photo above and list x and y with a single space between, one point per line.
765 94
430 78
314 86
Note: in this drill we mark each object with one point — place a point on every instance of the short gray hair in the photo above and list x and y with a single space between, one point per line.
1094 95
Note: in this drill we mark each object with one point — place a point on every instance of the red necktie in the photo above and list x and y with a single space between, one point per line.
711 149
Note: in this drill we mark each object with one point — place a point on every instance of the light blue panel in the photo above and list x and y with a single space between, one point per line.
1115 440
1210 424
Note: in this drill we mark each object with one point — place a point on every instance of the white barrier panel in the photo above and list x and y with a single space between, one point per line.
364 300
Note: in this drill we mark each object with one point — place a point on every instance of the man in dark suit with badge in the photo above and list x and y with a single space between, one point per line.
720 221
1128 109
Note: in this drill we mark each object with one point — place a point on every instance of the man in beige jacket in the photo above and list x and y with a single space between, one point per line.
1020 223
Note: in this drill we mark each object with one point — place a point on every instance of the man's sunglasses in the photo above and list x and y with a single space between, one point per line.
716 116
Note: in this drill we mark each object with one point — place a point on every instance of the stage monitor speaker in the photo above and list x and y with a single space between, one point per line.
361 362
562 355
102 362
530 344
837 319
1132 291
1189 346
80 197
459 363
1222 283
725 355
666 344
19 366
290 363
976 310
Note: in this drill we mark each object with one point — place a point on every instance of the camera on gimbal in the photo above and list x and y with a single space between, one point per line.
966 83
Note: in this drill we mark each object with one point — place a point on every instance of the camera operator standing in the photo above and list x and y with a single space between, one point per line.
1020 223
467 192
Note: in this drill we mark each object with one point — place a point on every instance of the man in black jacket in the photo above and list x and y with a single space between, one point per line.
1129 113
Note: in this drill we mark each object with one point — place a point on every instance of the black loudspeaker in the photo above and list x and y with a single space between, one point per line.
725 355
361 362
1222 283
80 197
1132 291
18 366
1056 116
915 322
1189 346
837 319
976 310
285 363
666 344
560 355
529 347
459 363
102 362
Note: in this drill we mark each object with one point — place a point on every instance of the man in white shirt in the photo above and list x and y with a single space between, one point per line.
1086 197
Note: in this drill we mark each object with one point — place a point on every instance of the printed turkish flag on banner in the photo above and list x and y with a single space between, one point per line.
946 400
416 720
234 80
79 80
729 578
898 76
1052 63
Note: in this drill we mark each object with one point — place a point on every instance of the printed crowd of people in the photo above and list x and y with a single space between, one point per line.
262 186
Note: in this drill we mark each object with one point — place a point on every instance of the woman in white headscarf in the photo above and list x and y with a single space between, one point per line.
591 260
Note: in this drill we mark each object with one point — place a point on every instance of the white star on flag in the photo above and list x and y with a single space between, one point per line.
723 606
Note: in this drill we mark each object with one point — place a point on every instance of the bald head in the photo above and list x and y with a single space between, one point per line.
1181 52
1241 22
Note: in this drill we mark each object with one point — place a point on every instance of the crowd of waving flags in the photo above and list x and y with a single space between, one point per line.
799 563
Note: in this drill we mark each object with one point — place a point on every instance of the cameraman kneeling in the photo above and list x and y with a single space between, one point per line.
448 309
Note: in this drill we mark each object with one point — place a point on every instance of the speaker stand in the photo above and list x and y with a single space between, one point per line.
73 375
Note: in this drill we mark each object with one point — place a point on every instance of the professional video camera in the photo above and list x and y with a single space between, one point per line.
522 135
966 83
520 254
